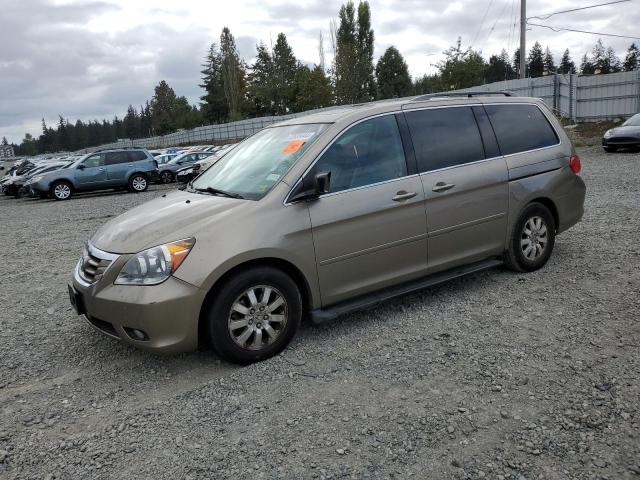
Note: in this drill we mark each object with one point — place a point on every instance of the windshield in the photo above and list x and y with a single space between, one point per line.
254 166
633 121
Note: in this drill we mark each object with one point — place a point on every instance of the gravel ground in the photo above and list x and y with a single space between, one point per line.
496 375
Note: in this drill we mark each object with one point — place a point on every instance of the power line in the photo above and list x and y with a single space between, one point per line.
545 17
557 29
482 22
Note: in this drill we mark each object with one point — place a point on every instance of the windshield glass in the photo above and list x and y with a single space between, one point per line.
633 121
254 166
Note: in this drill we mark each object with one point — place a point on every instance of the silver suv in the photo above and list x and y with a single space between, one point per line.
331 212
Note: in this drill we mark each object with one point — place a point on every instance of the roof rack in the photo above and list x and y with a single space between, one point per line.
117 148
461 94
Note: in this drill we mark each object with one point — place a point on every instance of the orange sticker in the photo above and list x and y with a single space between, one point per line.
293 146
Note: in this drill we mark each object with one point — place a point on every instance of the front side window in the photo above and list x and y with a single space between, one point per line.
96 160
444 137
520 128
369 152
253 167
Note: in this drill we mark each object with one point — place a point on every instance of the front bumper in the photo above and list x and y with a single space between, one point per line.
167 314
626 141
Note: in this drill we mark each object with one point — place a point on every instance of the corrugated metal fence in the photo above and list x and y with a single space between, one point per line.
576 97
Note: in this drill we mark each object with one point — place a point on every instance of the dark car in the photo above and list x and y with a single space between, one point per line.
15 186
130 168
168 171
184 175
626 135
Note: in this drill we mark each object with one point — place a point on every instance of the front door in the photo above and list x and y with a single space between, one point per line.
369 231
465 182
91 173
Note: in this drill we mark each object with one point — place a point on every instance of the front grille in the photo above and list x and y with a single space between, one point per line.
93 264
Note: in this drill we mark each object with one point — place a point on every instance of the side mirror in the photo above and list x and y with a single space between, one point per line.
322 182
81 166
311 187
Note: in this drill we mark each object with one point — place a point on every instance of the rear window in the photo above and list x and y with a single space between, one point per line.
444 137
520 128
137 155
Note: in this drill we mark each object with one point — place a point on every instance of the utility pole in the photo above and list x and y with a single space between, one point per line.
523 39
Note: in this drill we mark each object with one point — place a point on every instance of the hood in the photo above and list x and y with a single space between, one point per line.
628 130
172 217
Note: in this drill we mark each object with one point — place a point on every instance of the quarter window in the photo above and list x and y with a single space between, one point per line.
114 158
520 128
136 156
367 153
444 137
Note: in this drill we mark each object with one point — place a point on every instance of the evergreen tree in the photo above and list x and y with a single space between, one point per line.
392 75
364 50
163 109
566 64
549 63
131 123
499 68
284 75
461 69
4 141
146 124
313 89
535 61
260 83
233 75
428 84
612 63
214 105
598 57
586 66
632 60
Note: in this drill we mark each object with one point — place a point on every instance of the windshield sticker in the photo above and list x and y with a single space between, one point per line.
273 177
293 146
300 135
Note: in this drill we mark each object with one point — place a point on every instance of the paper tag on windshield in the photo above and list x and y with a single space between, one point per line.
293 146
300 135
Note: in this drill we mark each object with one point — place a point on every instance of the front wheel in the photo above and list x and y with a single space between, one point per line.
532 239
61 190
254 315
138 182
166 177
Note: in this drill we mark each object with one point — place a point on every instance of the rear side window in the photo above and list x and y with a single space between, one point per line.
520 128
114 158
444 137
136 156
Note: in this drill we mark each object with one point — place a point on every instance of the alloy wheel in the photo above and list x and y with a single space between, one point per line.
258 316
166 177
62 191
534 238
139 184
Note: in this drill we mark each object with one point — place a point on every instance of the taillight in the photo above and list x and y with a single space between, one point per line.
574 163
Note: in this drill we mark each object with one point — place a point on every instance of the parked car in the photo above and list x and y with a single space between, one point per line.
323 214
167 171
15 187
201 165
626 135
165 158
131 168
184 175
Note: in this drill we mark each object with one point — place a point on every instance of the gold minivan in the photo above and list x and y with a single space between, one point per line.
323 214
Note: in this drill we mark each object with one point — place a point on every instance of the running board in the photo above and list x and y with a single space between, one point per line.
322 315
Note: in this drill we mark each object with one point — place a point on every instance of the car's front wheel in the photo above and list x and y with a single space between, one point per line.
61 190
166 176
532 239
138 182
254 315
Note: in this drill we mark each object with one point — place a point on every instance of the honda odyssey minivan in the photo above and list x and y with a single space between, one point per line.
320 215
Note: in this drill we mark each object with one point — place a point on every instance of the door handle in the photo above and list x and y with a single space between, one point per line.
403 195
442 187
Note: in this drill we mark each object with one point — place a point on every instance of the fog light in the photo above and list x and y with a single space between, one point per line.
136 334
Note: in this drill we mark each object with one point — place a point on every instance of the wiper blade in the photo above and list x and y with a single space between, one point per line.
217 191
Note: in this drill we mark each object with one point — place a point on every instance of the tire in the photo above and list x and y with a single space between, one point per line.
61 190
233 325
138 183
610 149
532 239
167 177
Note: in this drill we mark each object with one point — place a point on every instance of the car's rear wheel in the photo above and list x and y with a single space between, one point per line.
61 190
138 182
610 149
532 239
254 315
166 176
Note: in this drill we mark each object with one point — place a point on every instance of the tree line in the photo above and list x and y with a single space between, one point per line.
277 82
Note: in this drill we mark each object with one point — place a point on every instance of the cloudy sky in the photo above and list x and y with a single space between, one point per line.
91 59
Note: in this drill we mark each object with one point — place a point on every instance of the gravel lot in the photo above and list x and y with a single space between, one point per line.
497 375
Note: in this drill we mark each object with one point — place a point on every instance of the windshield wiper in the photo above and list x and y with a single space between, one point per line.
216 191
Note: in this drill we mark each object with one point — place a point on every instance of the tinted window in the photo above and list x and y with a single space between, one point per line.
444 137
136 156
114 158
96 160
369 152
520 128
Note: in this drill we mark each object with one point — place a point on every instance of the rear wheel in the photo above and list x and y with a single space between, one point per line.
532 239
254 315
138 182
61 190
166 176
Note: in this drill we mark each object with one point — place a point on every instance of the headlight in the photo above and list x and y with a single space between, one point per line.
607 133
156 264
